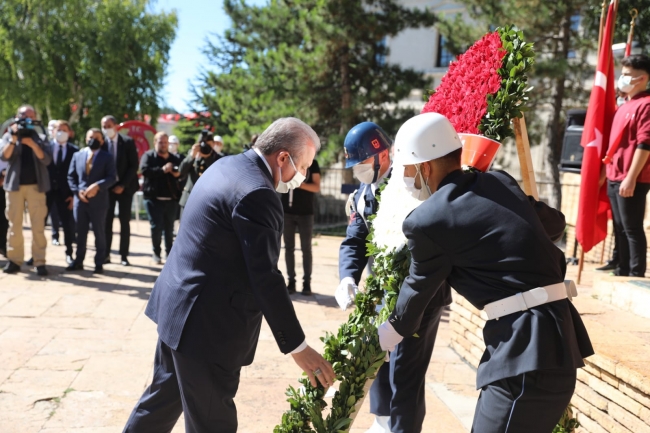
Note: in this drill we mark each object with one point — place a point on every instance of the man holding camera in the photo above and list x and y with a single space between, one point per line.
125 156
161 192
202 156
26 181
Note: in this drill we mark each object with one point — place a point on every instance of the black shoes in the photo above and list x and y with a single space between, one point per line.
609 266
41 271
30 262
75 267
124 261
291 287
306 289
11 268
107 260
98 270
68 259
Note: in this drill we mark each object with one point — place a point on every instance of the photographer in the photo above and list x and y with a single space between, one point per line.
26 181
161 192
202 156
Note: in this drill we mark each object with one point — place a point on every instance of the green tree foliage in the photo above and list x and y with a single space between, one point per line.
82 59
561 66
320 60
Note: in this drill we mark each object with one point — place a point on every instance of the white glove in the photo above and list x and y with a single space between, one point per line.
388 337
346 292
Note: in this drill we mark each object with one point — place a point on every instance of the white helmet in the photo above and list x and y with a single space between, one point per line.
425 137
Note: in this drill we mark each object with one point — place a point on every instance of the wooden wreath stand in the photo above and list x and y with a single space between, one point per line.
525 160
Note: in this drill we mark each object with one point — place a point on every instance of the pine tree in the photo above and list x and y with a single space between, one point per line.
322 61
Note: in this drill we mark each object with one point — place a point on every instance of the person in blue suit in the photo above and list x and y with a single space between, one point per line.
220 279
91 174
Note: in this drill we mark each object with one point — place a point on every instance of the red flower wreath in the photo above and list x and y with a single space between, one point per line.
462 94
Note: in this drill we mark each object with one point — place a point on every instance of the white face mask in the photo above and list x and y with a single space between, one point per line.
109 132
62 137
419 194
625 83
296 180
364 172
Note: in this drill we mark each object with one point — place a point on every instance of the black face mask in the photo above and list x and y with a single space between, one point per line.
94 144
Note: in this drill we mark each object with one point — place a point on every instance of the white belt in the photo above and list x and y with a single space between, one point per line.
532 298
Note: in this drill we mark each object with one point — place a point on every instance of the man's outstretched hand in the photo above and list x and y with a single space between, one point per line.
310 361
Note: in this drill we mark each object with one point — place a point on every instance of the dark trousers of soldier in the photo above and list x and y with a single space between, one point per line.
305 226
628 213
398 390
4 224
531 402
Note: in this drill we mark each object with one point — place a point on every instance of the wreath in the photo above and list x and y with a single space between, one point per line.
483 90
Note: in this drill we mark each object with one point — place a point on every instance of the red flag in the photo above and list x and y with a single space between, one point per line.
591 226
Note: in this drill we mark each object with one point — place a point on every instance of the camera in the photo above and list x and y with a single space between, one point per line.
205 137
175 169
26 127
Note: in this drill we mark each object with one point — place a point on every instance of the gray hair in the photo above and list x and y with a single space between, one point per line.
288 133
110 117
25 106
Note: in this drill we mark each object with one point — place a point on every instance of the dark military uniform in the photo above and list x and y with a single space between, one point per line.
483 236
398 390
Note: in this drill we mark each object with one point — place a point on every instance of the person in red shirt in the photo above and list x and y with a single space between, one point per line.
628 174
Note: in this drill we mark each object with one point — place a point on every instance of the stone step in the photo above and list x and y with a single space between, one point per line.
627 293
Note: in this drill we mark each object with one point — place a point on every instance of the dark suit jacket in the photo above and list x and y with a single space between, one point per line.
488 240
59 173
102 173
221 276
126 165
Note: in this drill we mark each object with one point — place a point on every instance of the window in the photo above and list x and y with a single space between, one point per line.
445 57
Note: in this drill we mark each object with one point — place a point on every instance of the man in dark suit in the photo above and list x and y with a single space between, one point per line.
479 233
219 281
60 198
125 157
91 174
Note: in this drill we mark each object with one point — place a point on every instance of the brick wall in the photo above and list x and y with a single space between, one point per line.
609 397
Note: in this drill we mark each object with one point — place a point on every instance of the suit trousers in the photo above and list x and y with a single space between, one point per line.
305 226
56 204
203 391
162 214
54 217
398 391
37 207
84 215
124 201
531 402
628 214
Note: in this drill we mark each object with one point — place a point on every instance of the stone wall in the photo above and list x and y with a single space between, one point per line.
610 397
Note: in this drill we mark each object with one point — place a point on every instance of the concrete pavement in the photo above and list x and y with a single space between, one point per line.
76 350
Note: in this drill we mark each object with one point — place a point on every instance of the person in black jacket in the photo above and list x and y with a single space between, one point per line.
60 198
480 234
161 192
202 156
125 155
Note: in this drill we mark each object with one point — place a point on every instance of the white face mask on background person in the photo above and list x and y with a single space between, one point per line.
109 132
296 180
62 137
364 172
417 193
625 83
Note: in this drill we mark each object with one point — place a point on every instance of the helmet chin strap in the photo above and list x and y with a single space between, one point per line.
377 166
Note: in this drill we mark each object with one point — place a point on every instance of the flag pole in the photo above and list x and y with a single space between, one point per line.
630 37
601 29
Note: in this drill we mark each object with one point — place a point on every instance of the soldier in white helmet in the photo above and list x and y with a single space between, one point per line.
480 234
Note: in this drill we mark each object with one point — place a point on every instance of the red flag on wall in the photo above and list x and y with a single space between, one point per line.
591 226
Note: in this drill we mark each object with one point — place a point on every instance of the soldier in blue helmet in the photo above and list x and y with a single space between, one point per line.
367 151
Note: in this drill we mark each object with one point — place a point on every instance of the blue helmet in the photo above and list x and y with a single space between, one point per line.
364 140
